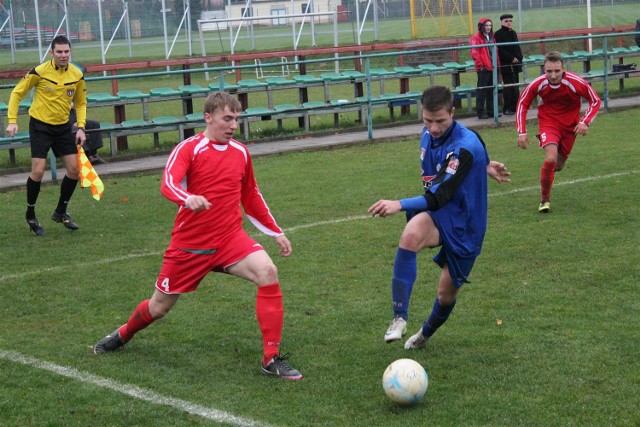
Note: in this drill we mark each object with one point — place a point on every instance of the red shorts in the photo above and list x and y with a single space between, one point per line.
563 138
183 269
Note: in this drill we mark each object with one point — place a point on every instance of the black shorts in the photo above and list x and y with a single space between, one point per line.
44 136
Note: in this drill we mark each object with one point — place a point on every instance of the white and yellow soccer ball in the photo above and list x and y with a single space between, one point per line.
405 381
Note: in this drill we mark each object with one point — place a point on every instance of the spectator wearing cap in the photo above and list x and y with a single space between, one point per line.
511 63
483 62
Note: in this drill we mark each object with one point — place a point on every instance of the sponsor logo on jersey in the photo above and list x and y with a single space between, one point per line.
452 167
70 92
427 181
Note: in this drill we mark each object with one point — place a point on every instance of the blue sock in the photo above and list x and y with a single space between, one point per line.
404 275
439 315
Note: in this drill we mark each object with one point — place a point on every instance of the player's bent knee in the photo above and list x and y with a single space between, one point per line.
267 273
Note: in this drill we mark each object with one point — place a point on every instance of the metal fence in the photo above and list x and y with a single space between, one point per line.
36 21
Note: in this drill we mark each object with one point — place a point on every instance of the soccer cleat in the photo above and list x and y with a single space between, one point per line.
396 330
416 341
280 368
544 207
35 226
65 219
111 342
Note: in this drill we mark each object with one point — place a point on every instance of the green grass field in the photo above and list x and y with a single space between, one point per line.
562 285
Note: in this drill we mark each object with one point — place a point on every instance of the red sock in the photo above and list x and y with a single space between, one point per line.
547 174
270 314
140 319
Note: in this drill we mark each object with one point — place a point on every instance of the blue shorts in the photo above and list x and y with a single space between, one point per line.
459 268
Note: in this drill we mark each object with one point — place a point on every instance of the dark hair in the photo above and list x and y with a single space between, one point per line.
59 40
553 56
219 100
436 98
483 21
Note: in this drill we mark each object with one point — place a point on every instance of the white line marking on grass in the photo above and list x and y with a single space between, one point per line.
65 267
130 390
328 222
560 184
19 276
503 193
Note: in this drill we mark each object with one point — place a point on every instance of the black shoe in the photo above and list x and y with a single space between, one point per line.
35 226
509 113
97 160
278 367
65 219
111 342
483 116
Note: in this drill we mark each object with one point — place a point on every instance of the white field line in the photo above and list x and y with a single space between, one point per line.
19 276
152 397
130 390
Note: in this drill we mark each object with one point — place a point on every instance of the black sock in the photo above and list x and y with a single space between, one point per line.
33 189
67 188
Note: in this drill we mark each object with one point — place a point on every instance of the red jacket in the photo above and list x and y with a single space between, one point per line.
480 55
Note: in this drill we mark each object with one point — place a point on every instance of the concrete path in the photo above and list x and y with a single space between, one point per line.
157 163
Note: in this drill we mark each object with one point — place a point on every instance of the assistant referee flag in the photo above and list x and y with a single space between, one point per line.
88 175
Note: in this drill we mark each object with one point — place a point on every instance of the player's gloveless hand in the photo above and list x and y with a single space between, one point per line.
523 141
385 208
197 203
285 245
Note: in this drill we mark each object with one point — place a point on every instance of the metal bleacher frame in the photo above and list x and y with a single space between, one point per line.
364 101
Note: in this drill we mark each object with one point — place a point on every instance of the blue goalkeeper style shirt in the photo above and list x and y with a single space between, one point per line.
454 175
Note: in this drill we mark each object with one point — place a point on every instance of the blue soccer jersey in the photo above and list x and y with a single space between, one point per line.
454 175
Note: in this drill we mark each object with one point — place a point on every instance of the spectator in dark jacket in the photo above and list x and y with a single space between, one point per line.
94 139
510 63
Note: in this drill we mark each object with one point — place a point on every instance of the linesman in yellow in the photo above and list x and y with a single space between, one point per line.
56 84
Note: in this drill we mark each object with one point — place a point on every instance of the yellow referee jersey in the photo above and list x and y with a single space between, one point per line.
54 90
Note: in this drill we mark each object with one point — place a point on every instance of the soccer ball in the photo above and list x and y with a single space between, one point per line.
405 381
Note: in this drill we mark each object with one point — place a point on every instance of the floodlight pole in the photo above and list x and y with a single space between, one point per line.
187 12
589 24
519 16
40 55
127 25
164 29
358 21
375 19
102 50
12 30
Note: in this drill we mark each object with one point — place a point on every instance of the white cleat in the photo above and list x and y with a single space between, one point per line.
416 341
396 330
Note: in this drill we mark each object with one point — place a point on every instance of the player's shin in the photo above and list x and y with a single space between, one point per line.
140 319
270 314
404 275
439 315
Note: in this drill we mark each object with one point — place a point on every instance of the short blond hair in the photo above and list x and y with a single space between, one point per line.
219 100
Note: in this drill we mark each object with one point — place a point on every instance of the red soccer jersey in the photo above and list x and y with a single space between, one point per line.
559 105
223 174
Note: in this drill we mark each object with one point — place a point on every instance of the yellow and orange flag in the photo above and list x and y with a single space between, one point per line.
88 175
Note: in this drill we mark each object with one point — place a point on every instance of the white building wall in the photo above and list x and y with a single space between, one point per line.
267 8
